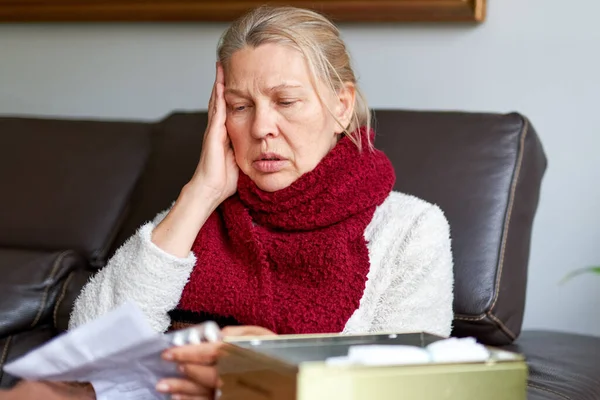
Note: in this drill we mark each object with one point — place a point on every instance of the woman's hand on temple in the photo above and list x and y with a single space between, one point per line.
217 172
214 180
198 364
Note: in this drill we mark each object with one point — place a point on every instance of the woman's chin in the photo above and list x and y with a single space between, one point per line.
273 182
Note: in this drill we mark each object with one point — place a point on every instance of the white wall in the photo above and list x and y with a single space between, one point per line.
539 57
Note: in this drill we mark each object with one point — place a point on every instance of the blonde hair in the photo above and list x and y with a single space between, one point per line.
319 41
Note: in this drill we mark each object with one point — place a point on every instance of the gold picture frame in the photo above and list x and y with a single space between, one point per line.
227 10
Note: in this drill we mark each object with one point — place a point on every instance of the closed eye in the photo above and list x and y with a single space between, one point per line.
287 103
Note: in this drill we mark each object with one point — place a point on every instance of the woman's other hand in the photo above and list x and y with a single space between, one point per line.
217 172
246 330
198 364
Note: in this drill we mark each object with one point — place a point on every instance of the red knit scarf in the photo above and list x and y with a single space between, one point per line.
295 260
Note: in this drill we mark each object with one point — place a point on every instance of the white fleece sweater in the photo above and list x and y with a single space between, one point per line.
409 286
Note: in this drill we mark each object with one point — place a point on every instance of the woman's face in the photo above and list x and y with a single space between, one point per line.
279 128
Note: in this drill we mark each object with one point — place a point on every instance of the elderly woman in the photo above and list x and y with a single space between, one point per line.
289 223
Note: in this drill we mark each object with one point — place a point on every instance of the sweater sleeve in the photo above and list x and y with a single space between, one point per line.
139 272
419 296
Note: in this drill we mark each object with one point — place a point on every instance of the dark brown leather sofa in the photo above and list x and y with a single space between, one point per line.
73 191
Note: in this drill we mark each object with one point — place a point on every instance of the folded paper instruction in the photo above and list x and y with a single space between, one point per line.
119 353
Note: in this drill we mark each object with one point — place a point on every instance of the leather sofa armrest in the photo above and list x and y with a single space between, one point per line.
31 285
17 345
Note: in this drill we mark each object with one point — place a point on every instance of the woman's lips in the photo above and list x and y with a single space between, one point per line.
269 166
269 162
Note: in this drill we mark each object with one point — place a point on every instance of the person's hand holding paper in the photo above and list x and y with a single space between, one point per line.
123 358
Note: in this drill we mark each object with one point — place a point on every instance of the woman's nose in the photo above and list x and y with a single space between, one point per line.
264 123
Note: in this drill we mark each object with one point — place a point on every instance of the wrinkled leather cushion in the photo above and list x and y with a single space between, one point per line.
562 366
68 181
69 293
14 346
32 283
484 171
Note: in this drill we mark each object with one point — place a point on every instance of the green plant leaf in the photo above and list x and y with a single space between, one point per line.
595 270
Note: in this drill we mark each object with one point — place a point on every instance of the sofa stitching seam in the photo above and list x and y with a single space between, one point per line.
4 355
57 262
507 219
61 297
469 318
503 327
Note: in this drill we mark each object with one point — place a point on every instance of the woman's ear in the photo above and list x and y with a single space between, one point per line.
345 106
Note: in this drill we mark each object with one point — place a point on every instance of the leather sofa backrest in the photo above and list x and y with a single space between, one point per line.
66 184
484 171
